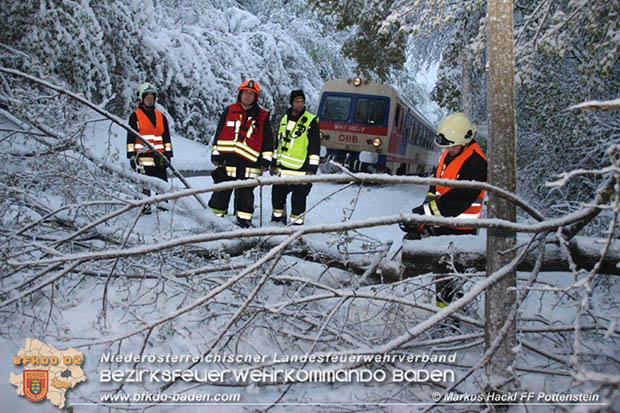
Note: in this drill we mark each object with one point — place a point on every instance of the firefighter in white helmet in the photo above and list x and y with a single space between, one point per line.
461 160
152 127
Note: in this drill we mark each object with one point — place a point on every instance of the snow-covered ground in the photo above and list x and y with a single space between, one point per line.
327 202
304 307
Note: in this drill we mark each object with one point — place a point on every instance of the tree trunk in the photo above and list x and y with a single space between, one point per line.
466 93
501 296
426 255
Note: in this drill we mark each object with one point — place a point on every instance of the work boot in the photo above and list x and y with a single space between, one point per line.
146 210
244 223
278 220
297 219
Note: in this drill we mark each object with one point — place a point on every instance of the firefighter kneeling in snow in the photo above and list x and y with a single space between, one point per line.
297 154
152 126
243 149
462 160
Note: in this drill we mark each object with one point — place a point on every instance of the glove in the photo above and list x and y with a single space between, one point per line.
216 160
407 227
414 231
159 162
414 235
219 175
419 210
413 227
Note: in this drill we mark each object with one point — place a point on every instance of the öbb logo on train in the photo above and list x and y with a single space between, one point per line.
347 138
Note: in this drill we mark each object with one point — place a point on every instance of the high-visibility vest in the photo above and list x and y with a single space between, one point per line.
149 132
242 135
293 141
451 171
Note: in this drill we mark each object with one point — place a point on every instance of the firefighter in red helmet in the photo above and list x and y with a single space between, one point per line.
242 149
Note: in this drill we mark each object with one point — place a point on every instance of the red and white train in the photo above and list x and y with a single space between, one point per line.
366 126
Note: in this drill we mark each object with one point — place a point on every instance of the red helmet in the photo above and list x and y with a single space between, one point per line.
251 85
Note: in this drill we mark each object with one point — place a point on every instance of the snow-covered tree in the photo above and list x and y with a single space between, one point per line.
566 51
196 53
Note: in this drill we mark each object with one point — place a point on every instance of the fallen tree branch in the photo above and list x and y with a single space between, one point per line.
108 115
427 255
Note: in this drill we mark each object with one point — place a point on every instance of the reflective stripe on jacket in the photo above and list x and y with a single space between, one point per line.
249 172
242 135
149 132
451 171
293 142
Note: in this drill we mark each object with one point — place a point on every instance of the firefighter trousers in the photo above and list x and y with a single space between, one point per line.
244 197
298 197
155 171
449 289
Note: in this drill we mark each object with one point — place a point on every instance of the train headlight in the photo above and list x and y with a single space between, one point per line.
357 81
323 136
376 142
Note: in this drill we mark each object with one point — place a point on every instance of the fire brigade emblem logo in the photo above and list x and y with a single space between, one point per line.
48 373
35 384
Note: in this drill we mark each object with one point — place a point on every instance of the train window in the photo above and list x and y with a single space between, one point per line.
370 110
409 129
336 108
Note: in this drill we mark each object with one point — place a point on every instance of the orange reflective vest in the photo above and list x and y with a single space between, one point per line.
242 135
451 171
152 133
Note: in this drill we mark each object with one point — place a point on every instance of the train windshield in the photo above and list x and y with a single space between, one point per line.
369 110
355 108
336 108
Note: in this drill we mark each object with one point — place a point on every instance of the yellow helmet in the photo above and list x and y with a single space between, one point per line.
454 130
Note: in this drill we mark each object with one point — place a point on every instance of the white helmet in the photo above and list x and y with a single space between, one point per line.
454 130
145 89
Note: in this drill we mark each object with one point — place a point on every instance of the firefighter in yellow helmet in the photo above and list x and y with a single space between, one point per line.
462 160
152 127
242 149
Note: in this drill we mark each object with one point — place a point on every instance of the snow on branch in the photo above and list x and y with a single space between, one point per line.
596 105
